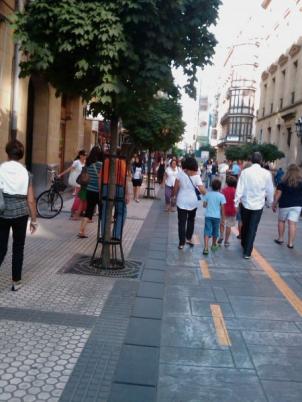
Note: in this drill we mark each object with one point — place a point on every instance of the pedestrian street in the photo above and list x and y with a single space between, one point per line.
190 328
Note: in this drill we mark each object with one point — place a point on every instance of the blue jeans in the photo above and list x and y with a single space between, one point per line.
120 211
211 227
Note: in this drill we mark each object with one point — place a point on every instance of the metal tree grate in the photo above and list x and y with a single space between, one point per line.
81 265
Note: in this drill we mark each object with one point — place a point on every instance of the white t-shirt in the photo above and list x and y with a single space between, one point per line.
137 173
223 168
171 176
186 197
75 172
14 178
77 166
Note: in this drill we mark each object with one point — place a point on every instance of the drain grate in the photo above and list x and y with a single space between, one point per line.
80 264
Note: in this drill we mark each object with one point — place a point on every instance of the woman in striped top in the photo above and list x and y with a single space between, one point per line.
94 165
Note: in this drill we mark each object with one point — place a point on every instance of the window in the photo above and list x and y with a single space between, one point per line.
263 112
269 135
281 103
272 107
293 97
260 136
289 136
296 64
284 73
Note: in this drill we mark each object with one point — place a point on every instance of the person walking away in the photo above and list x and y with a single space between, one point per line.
214 203
254 185
170 177
214 170
278 176
18 194
94 165
289 197
137 177
229 211
186 183
74 171
161 171
208 173
222 170
235 169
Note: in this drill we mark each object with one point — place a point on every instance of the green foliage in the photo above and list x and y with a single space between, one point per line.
116 52
212 150
269 152
177 151
157 127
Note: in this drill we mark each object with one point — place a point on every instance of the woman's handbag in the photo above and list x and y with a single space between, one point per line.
83 179
2 202
197 192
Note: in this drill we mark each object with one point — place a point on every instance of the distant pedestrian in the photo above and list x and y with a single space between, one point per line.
222 170
161 171
170 177
187 183
254 185
238 214
214 204
289 197
137 171
235 169
278 176
16 185
229 211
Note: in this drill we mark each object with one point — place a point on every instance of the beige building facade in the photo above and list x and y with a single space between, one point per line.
51 128
281 105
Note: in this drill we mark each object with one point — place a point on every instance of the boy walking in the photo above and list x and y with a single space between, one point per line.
229 211
214 203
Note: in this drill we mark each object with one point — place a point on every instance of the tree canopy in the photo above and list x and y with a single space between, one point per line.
269 152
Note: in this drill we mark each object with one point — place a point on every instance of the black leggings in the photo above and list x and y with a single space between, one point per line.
186 220
92 202
19 226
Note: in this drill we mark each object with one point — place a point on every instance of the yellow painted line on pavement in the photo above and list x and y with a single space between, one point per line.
281 285
221 330
204 268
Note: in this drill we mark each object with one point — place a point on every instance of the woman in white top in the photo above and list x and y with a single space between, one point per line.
137 177
186 184
19 203
74 171
170 177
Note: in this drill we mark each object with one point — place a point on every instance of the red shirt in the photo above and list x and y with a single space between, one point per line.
229 207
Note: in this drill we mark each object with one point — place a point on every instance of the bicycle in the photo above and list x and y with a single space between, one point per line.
50 202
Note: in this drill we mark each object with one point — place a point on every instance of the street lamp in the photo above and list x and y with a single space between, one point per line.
298 125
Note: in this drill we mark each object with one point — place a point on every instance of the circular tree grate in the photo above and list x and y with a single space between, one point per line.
80 264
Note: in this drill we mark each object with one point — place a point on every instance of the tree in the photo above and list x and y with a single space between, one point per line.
212 150
270 152
117 52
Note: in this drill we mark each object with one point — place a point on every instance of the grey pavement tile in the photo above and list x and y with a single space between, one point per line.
132 393
202 292
272 338
147 308
157 255
196 357
189 332
177 305
151 289
220 294
263 308
299 325
202 308
239 351
196 384
138 365
283 391
254 290
152 275
277 363
144 332
223 274
179 276
260 325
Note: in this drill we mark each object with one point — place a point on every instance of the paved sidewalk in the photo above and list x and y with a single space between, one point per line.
190 329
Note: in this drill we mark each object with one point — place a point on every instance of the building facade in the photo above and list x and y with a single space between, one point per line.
281 104
52 128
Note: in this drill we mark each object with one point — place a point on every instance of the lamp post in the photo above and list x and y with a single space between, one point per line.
298 125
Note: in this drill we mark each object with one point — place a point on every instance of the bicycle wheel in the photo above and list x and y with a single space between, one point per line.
49 204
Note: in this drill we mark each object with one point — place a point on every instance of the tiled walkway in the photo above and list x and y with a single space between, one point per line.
191 329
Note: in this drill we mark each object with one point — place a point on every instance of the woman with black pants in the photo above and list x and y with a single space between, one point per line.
187 202
94 165
16 185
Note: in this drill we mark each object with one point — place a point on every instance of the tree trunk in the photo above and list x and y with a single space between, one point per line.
105 256
149 175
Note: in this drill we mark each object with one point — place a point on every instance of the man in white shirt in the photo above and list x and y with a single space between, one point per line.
254 186
222 169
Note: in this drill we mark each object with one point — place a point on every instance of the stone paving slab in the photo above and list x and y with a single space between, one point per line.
132 393
143 332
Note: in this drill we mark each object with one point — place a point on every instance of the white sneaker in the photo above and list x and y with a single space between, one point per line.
16 286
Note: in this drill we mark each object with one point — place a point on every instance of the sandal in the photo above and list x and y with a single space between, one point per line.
82 236
205 251
190 242
181 246
278 241
226 244
290 246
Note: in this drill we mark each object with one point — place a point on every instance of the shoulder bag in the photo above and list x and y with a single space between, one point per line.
197 192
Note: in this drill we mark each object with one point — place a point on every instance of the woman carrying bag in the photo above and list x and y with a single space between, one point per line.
19 202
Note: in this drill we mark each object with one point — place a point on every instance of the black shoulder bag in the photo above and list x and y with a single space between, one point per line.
197 192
